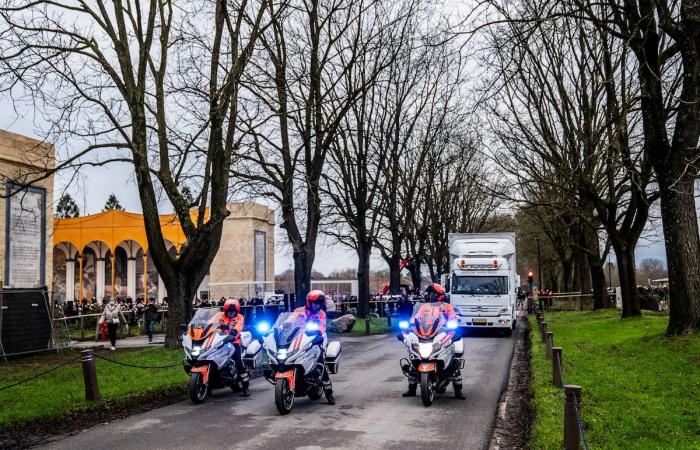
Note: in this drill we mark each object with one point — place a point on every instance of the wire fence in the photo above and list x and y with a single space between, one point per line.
41 374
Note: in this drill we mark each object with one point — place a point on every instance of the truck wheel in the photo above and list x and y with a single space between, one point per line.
197 389
508 332
284 396
426 389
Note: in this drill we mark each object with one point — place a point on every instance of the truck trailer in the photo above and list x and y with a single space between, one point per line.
483 283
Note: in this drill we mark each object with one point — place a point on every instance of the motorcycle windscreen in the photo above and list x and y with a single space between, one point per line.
288 327
204 322
428 321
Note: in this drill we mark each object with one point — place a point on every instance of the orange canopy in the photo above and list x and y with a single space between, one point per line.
113 227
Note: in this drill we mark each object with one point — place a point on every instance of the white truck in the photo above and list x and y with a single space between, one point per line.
482 282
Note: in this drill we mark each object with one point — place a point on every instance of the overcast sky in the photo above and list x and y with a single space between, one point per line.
118 178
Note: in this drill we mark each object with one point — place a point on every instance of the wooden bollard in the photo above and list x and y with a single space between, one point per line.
549 341
367 331
572 439
557 361
543 333
92 390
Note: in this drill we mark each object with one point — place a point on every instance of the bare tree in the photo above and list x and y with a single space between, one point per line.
303 97
153 83
664 36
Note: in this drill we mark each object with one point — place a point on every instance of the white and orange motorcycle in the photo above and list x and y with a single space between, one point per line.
298 356
435 351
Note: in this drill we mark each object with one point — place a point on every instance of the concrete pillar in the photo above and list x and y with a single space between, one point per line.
162 293
131 278
70 279
100 279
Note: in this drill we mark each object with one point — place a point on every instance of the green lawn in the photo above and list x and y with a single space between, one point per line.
641 390
62 391
377 325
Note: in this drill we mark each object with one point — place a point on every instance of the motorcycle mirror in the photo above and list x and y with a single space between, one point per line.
183 327
224 327
456 337
399 337
318 340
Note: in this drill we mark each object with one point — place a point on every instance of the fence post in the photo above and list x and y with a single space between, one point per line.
549 341
543 331
367 325
572 439
388 318
557 361
92 390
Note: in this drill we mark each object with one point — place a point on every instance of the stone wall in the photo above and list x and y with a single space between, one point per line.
21 159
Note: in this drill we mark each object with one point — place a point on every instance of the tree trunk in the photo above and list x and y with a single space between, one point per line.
302 276
363 255
584 272
599 286
394 269
414 267
628 280
180 295
567 274
682 254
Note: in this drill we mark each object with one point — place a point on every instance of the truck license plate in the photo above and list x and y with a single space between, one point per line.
479 321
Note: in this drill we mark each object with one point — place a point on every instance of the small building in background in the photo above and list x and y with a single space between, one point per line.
26 211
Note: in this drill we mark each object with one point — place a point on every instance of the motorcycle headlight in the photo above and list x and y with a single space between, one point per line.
282 353
436 346
196 351
425 350
312 326
415 347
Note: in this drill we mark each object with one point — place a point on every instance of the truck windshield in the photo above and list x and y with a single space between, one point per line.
480 285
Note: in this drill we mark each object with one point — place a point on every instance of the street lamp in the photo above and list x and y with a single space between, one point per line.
539 263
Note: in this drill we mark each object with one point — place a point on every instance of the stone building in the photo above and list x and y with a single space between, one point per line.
26 214
106 254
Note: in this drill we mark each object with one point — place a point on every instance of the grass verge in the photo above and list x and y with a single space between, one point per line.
377 325
641 390
61 392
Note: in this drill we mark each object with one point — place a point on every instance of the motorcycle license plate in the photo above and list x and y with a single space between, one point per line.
426 367
204 370
479 321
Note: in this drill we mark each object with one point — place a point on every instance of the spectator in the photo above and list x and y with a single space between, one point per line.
112 316
150 316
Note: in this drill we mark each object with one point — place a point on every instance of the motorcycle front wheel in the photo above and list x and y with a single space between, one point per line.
197 389
284 396
426 389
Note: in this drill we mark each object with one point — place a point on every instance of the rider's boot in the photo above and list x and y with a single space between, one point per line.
244 385
411 392
458 392
329 397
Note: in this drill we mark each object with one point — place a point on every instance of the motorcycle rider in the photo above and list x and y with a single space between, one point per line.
436 294
315 312
234 321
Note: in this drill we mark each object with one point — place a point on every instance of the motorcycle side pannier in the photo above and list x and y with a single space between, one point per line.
333 357
253 355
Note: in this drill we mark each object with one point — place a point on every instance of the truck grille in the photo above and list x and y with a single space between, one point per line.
479 310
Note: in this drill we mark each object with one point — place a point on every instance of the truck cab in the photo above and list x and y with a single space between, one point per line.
482 282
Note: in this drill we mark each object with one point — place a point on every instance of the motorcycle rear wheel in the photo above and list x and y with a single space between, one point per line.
197 389
284 396
426 389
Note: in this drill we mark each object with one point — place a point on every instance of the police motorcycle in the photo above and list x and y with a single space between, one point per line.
435 350
209 354
295 347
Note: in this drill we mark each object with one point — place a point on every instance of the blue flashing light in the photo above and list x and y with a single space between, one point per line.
403 324
312 326
263 327
452 324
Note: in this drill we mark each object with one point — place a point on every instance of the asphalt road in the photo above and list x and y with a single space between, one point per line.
369 412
